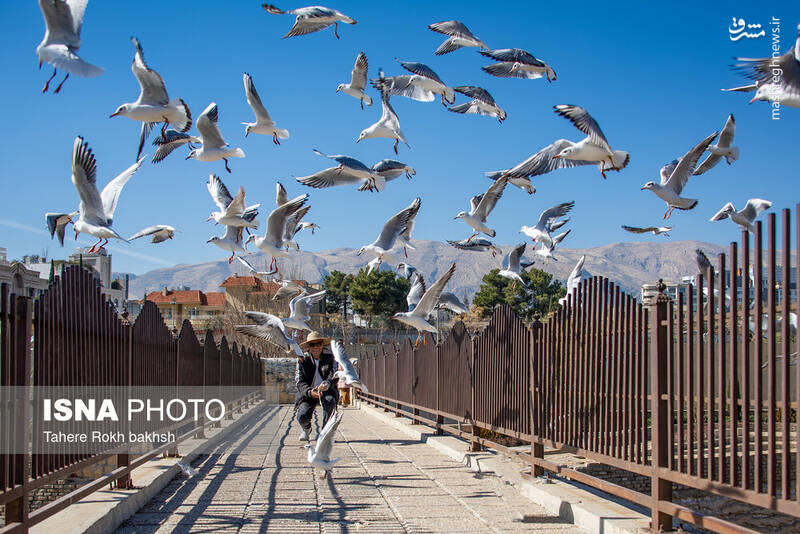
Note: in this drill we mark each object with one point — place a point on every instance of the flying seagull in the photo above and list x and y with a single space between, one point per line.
482 103
512 266
449 301
320 456
159 233
722 148
294 224
388 125
264 123
63 20
358 81
416 291
300 310
477 244
523 182
311 19
153 105
422 85
288 288
546 251
171 140
517 63
418 317
745 217
269 328
57 224
481 206
548 222
347 374
675 175
213 147
273 241
397 229
232 210
573 280
253 270
391 169
352 166
783 89
458 36
655 230
96 208
231 241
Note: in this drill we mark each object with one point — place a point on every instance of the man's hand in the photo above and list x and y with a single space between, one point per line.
314 392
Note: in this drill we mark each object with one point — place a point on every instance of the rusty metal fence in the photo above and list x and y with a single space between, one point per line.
701 391
72 337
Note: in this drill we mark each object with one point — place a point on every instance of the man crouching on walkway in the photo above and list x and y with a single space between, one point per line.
315 382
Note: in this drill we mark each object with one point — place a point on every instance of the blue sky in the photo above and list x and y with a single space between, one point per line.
651 76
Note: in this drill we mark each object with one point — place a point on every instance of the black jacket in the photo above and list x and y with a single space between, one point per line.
304 375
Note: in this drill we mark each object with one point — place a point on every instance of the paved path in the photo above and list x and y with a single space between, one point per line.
259 481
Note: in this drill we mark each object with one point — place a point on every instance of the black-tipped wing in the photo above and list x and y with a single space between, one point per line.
584 122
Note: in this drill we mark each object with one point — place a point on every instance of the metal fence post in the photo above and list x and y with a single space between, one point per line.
537 449
659 371
475 445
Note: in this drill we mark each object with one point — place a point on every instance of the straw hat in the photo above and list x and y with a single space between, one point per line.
314 336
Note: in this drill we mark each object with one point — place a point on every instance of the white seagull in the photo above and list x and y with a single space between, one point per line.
214 147
722 148
320 456
546 251
96 208
57 224
300 310
397 229
388 125
269 328
231 241
422 85
63 20
458 34
745 217
416 291
449 301
523 182
418 317
273 241
232 210
675 175
288 288
783 89
171 140
353 167
512 265
358 81
347 374
482 103
294 224
481 206
573 280
311 19
655 230
264 123
159 233
391 169
477 244
548 222
517 63
253 270
153 105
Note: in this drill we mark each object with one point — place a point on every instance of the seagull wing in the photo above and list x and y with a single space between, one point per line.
327 437
276 221
330 177
754 207
207 126
685 167
253 99
703 263
59 17
450 302
404 85
396 225
293 223
247 264
726 136
415 293
219 193
84 178
551 214
636 230
281 197
431 297
478 93
723 212
512 259
575 276
543 161
515 55
490 198
351 375
421 70
150 230
358 78
237 207
584 122
153 91
453 28
111 191
172 139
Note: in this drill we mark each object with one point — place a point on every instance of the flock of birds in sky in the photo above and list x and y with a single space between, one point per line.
63 20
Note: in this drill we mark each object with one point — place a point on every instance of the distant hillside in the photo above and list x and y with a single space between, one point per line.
628 264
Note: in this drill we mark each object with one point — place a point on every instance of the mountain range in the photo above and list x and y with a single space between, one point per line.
627 264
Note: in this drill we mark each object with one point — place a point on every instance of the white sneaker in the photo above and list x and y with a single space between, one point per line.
303 435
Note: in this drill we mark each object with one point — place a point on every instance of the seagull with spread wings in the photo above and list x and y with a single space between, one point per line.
746 216
674 177
171 140
655 230
271 329
397 229
253 270
512 265
273 242
264 124
57 224
546 251
231 241
158 233
517 63
388 125
480 208
311 19
418 317
96 208
476 244
63 20
482 103
548 222
358 81
722 149
300 310
320 456
213 147
347 374
153 105
573 280
232 210
458 36
422 85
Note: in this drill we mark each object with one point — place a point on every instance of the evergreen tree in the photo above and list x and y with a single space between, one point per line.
337 296
378 295
540 293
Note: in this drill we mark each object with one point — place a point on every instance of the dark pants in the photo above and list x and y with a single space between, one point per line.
305 409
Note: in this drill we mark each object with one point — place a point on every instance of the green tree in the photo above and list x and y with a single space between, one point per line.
540 293
378 295
337 296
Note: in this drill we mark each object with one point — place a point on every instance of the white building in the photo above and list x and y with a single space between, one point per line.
21 279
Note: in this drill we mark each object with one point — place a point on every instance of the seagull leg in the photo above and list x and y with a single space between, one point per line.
405 252
275 138
226 165
443 102
362 103
164 128
47 83
230 260
335 29
419 334
62 83
396 141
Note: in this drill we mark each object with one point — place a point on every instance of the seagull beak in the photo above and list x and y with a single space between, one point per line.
644 187
557 156
189 156
76 234
358 140
209 241
40 64
113 114
753 100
